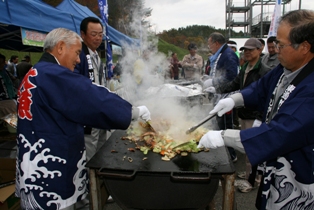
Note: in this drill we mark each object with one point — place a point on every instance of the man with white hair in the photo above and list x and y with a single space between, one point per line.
52 101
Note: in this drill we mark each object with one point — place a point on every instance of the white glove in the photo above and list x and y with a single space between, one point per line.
256 123
144 113
204 78
212 140
223 106
210 90
208 83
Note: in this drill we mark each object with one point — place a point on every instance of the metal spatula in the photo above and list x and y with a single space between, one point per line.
190 130
149 123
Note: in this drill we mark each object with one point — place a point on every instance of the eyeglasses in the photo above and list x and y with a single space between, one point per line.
281 46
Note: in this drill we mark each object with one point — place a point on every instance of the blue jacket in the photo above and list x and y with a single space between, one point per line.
286 143
84 66
54 104
227 66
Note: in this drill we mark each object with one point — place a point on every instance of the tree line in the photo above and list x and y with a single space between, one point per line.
122 13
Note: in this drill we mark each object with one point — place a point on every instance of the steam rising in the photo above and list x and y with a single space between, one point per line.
143 82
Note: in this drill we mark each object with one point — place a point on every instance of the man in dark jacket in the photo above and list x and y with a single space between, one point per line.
250 72
284 142
92 67
53 105
224 65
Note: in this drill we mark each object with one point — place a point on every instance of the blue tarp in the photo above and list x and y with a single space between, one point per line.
35 15
81 11
39 16
32 15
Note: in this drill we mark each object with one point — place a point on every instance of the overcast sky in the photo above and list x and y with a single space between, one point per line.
168 14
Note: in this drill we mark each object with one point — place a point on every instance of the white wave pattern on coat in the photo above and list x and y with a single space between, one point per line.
36 172
287 192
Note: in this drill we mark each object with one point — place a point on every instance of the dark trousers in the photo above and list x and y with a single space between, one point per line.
226 122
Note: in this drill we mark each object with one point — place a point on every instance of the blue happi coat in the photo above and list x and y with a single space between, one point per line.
286 143
54 104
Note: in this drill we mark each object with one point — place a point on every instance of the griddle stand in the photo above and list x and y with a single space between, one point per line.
223 170
97 194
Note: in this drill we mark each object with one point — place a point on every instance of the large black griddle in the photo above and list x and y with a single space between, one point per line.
185 182
216 161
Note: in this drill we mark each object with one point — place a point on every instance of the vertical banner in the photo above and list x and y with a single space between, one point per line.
275 19
103 7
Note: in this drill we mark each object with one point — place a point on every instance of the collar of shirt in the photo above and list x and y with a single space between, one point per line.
215 56
291 75
92 53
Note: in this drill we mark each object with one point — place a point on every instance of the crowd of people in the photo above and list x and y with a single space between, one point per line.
263 103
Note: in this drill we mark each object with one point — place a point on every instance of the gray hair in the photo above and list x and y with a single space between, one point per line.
302 26
218 37
60 34
297 17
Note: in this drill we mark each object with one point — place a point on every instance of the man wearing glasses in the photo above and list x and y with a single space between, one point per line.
284 142
250 72
224 65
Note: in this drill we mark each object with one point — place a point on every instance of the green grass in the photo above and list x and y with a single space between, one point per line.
35 56
167 49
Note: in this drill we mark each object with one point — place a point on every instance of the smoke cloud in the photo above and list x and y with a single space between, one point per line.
143 82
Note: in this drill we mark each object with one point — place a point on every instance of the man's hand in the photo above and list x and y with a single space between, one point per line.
144 113
223 106
212 140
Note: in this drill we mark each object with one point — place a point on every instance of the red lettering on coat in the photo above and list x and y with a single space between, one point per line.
25 96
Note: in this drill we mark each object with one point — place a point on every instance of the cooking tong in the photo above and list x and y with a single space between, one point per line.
190 130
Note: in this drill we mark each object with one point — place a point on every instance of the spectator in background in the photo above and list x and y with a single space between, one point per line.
250 72
27 59
175 64
22 68
263 46
11 68
271 59
192 63
233 45
92 67
7 90
114 83
224 65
